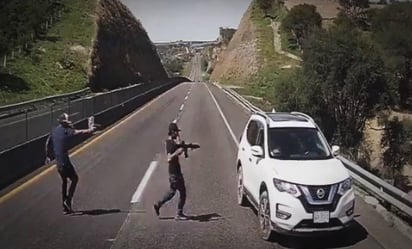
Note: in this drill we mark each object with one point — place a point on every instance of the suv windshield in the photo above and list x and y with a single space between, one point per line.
297 144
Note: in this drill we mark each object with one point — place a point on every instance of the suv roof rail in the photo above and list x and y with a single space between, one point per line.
309 118
263 115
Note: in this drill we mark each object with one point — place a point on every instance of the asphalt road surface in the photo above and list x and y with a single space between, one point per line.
196 73
128 162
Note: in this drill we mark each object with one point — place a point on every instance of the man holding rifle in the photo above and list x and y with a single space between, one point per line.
175 148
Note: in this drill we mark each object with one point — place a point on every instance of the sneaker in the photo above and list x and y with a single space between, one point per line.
181 216
67 207
156 208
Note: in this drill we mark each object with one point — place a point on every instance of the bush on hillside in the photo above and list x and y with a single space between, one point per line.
355 10
342 82
397 148
301 20
265 5
391 28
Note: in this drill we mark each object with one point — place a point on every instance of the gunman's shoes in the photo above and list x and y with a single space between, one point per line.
67 209
181 216
156 208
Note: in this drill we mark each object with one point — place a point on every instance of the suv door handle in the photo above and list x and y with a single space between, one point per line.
243 148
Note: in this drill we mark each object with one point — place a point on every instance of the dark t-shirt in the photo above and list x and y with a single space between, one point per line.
174 165
61 138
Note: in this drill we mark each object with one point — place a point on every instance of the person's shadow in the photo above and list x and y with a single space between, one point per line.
199 218
98 212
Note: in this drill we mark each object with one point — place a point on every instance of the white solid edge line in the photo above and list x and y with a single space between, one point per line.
237 101
139 191
223 117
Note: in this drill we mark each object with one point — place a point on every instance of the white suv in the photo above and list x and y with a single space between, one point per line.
288 172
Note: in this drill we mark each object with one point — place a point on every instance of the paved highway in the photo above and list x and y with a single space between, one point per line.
195 73
127 162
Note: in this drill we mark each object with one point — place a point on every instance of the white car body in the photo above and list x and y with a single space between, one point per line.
310 195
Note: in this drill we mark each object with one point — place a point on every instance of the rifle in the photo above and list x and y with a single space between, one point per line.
186 147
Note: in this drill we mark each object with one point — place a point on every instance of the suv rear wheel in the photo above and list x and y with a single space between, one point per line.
264 216
241 198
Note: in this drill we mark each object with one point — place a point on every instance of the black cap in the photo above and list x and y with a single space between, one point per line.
173 128
64 119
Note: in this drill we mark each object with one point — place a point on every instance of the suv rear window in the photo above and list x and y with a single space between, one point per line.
297 144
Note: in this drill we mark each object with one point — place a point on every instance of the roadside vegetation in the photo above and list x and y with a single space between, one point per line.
44 47
356 69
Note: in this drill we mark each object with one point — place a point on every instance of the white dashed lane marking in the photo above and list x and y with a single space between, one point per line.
139 191
182 107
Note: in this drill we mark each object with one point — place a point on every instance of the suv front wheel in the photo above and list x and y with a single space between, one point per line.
264 216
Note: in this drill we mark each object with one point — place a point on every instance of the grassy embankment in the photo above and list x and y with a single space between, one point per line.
271 62
59 63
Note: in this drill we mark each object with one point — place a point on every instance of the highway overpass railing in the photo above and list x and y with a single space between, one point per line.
372 184
14 109
35 118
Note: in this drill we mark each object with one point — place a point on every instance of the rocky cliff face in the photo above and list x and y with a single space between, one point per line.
122 52
238 61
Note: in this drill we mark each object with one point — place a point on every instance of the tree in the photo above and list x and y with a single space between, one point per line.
396 149
355 10
345 79
391 29
265 5
301 20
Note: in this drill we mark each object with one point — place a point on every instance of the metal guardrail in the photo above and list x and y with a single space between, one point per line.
24 127
378 187
7 110
369 182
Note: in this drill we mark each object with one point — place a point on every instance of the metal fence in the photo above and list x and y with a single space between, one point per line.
20 108
30 124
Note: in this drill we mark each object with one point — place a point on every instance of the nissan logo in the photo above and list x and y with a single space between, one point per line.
320 193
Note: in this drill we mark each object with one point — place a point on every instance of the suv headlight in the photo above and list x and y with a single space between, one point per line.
345 186
287 187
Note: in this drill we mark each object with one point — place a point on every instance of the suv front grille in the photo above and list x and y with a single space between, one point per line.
319 195
319 198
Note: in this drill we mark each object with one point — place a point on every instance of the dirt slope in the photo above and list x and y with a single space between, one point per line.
239 60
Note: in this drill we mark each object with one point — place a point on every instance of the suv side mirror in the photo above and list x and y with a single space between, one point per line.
257 151
335 150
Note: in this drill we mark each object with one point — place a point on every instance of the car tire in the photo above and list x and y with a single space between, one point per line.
264 217
241 198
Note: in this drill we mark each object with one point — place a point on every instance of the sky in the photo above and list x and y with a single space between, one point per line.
173 20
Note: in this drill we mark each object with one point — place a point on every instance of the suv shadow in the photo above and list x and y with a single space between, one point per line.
339 239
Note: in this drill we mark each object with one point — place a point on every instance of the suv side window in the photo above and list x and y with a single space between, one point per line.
256 133
252 132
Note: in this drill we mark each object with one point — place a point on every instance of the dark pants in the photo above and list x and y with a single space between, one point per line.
67 171
176 183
